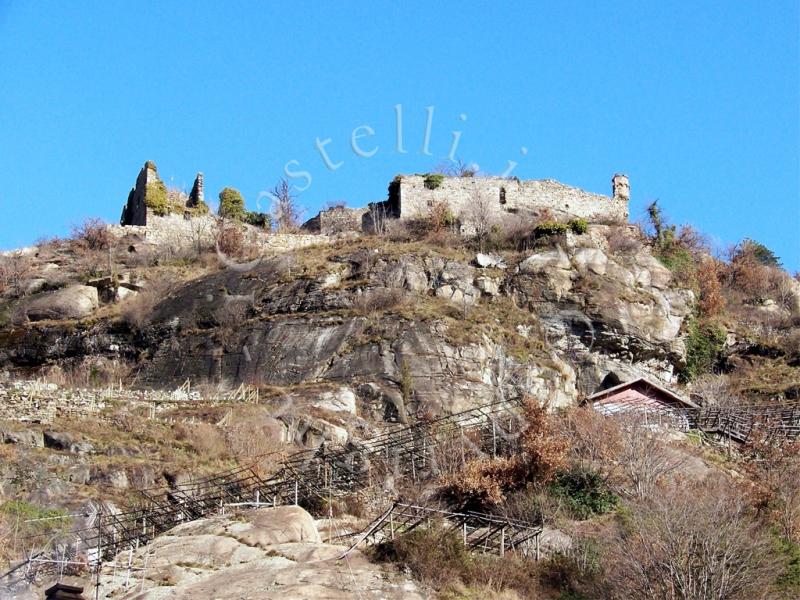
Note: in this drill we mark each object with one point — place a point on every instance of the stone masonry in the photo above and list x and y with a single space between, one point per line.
135 210
196 196
471 198
414 198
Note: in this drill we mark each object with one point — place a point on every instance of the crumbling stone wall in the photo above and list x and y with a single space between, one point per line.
196 196
503 196
338 219
135 210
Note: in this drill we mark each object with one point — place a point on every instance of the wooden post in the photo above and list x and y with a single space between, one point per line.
494 439
464 530
503 541
296 498
537 547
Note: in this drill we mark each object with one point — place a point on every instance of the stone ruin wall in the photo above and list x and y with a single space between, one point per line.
341 219
510 196
182 234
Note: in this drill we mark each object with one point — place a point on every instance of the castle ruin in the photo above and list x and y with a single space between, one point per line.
477 198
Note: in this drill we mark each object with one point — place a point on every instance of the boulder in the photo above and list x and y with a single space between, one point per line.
27 437
57 440
266 553
73 302
485 261
277 525
488 285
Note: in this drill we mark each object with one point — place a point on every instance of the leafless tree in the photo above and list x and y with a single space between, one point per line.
481 215
202 231
775 469
692 541
457 168
377 214
716 390
14 268
594 440
286 211
644 458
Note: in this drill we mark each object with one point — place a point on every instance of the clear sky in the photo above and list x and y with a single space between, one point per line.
698 102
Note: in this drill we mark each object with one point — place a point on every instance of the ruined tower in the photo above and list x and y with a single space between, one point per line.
196 196
620 188
135 210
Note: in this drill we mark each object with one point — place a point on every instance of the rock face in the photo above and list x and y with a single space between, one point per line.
72 302
407 332
595 314
271 553
135 210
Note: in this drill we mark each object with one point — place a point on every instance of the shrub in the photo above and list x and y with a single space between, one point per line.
376 301
155 198
230 241
231 204
541 455
437 557
258 219
92 234
433 180
622 241
584 491
138 311
579 226
547 228
704 343
692 540
711 302
440 216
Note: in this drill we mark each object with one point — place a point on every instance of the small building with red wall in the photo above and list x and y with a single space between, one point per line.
640 396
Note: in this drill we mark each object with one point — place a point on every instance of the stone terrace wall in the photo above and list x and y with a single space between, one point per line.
510 196
41 402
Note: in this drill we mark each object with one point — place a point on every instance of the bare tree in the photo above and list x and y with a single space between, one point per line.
285 209
481 216
594 439
643 457
14 268
377 214
776 471
457 168
716 390
692 541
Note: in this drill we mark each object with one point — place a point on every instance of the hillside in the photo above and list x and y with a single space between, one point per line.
179 345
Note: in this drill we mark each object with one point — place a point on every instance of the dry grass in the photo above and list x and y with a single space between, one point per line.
139 311
438 558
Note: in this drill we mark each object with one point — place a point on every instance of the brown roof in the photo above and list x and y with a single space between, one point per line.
642 383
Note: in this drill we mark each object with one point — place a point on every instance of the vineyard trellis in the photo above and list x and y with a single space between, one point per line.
310 477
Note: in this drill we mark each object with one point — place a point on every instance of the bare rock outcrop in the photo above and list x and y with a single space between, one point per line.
267 553
72 302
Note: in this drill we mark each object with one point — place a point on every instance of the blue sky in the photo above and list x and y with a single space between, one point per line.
698 102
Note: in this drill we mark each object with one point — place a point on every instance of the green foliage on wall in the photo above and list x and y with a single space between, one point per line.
258 219
155 197
433 180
